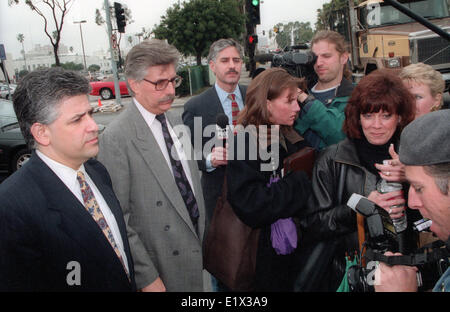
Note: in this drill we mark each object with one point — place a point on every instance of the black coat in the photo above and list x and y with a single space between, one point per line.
259 206
44 227
337 174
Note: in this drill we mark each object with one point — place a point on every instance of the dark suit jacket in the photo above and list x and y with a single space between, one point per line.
43 227
207 106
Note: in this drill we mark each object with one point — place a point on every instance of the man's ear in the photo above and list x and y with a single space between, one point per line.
344 58
133 85
212 65
40 133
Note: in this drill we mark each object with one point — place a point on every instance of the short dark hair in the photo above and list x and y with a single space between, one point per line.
380 90
39 94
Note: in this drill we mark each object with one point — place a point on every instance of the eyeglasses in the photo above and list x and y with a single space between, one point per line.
162 84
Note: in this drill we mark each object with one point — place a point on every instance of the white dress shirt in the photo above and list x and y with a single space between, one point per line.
156 129
69 177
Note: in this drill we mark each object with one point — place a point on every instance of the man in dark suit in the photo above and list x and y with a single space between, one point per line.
225 97
61 226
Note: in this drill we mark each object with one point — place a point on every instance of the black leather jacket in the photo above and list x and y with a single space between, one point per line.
337 174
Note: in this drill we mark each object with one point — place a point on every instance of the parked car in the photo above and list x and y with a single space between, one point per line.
13 149
14 152
4 94
105 89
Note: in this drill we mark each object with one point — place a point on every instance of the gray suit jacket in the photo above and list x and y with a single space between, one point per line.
162 238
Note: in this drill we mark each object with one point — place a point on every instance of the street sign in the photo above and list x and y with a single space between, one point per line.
114 41
2 52
115 55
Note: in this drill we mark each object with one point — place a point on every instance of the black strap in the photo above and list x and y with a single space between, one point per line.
413 259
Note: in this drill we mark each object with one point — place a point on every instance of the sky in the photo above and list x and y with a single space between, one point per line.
146 13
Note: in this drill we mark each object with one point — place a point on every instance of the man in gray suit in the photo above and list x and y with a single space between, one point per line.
155 181
225 60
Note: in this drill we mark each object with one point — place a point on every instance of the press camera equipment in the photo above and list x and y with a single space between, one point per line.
432 260
297 60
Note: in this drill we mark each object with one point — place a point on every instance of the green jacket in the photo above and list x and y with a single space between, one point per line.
327 121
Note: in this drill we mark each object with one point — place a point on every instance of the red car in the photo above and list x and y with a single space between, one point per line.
106 90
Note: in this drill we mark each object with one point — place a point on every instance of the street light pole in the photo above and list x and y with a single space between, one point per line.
82 43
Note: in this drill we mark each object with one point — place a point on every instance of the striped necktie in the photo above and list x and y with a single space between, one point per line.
234 108
91 205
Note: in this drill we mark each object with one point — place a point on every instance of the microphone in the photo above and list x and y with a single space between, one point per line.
221 126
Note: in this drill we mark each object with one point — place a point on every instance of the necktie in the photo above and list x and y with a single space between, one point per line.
234 108
91 205
180 177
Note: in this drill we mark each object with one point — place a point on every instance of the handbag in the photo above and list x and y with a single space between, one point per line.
230 247
302 160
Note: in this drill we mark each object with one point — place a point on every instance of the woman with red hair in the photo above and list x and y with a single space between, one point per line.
379 108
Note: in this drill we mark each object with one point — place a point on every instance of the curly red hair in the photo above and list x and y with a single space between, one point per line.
380 90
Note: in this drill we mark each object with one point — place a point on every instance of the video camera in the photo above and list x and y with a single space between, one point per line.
297 60
432 260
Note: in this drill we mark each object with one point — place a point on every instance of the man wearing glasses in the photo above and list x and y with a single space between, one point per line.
154 178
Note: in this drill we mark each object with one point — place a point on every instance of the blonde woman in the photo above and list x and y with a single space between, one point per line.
427 86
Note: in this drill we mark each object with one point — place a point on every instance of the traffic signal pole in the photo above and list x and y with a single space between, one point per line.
113 62
252 12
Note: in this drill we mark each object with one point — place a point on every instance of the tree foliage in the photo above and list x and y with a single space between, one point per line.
94 68
53 12
301 31
334 15
193 26
70 66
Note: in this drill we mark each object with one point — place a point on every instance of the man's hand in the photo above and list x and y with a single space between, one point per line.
156 286
301 97
397 278
219 156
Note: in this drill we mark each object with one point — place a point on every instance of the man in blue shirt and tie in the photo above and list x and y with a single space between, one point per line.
225 97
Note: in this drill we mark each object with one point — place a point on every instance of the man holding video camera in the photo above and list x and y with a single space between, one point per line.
425 152
322 108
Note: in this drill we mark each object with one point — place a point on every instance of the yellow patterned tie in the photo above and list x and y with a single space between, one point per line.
91 205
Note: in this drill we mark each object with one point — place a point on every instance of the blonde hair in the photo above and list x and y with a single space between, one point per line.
425 74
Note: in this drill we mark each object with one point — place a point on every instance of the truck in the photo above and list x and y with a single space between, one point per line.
384 37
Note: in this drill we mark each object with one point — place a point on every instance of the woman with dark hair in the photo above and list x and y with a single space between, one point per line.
261 196
379 108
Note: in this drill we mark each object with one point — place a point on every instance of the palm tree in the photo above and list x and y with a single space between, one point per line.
21 38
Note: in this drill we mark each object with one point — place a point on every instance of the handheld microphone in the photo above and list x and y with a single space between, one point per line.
221 126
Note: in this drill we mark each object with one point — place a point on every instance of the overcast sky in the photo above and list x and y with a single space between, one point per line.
20 19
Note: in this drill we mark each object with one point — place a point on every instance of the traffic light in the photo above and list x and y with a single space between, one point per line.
252 40
253 12
120 17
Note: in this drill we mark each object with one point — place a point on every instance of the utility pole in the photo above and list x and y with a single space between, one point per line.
111 47
353 29
82 42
